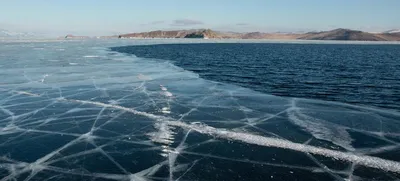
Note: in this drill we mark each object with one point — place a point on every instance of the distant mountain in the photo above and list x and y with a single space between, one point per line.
11 34
207 33
253 35
337 34
390 36
201 33
342 34
271 36
392 31
76 37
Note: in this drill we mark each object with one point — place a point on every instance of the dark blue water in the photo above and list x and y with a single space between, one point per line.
356 74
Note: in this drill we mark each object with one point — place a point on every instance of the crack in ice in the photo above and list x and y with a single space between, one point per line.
364 160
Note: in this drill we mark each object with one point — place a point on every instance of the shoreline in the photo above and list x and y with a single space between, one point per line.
211 40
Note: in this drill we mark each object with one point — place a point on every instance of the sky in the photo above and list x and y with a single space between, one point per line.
105 17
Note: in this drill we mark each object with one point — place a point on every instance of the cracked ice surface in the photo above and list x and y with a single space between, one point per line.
86 113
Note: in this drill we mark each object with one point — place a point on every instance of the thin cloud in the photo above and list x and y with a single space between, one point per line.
242 24
153 23
157 22
186 22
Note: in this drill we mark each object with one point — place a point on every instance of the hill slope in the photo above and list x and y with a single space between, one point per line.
202 33
342 34
390 36
337 34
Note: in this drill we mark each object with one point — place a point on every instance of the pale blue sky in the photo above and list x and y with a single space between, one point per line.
120 16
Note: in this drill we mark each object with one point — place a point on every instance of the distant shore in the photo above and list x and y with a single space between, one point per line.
336 34
189 40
